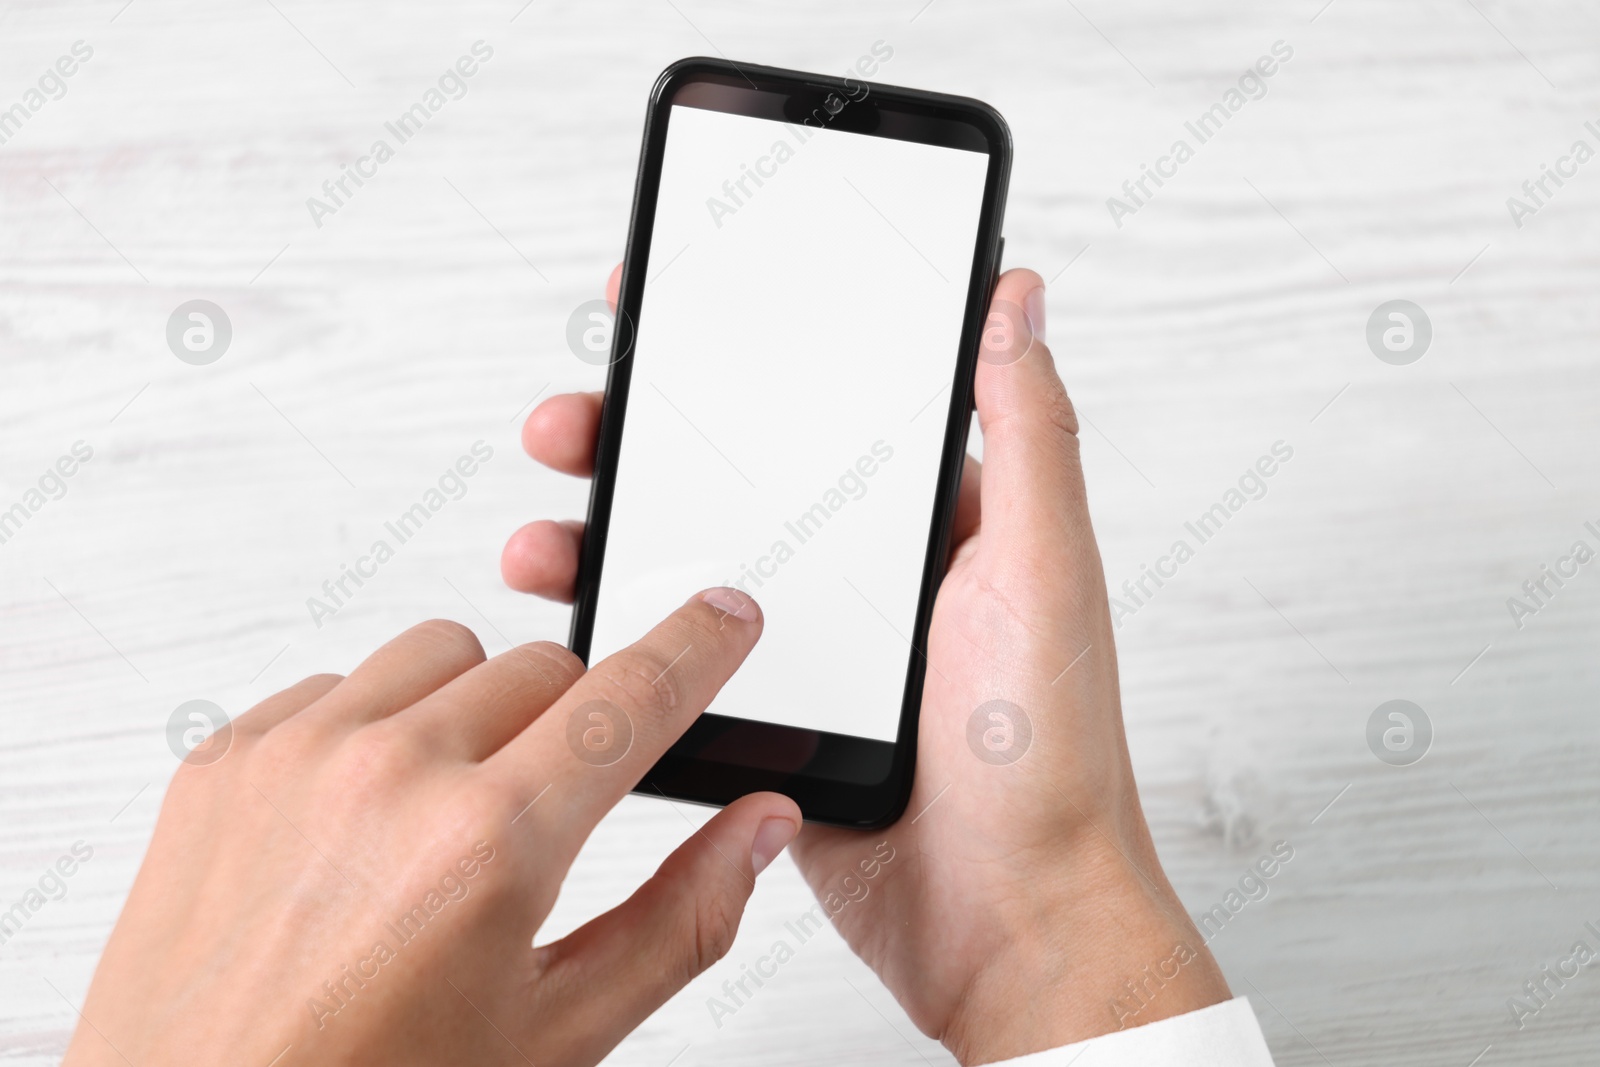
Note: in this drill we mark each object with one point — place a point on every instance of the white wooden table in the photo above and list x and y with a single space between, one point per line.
1229 312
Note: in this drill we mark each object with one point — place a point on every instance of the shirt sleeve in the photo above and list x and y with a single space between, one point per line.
1222 1035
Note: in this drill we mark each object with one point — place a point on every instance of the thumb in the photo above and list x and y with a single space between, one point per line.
1033 500
605 978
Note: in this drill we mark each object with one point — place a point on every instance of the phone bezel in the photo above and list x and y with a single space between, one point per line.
834 778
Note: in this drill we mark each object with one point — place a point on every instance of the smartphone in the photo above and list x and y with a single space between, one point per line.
787 403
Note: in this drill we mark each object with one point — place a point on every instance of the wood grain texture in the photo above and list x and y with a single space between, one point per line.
1227 314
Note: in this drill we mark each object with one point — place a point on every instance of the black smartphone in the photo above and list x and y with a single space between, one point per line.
788 397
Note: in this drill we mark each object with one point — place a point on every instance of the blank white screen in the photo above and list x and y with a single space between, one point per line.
795 348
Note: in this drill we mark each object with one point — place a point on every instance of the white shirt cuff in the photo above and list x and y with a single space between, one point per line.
1223 1035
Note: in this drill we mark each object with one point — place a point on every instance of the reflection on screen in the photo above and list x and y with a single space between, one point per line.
794 352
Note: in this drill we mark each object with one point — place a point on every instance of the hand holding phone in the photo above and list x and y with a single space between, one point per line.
1025 896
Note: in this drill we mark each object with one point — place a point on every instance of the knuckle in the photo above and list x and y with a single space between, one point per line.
270 762
272 713
379 755
268 755
448 638
1058 409
716 924
1062 415
551 662
313 688
641 681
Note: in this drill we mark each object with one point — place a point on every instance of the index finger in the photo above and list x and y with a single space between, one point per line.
599 739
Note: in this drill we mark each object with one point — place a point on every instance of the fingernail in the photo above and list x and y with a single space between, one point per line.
772 836
1033 307
732 602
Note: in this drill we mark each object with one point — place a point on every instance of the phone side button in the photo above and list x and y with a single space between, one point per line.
994 283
